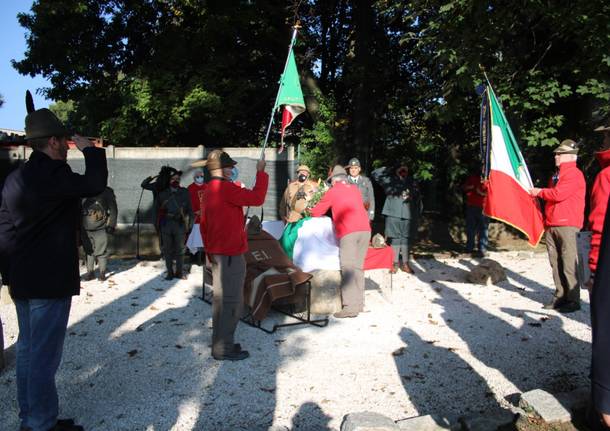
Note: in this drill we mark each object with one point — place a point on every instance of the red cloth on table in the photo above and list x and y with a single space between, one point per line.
379 258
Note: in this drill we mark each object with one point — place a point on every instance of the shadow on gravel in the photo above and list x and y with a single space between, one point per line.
431 377
310 416
538 353
535 292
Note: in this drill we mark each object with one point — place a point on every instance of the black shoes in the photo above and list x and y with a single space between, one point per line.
102 277
554 304
66 425
88 276
180 276
569 307
562 306
235 355
169 276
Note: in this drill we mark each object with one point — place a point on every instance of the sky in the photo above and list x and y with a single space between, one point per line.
12 84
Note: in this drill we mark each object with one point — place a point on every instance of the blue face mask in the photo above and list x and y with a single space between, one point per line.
234 174
199 180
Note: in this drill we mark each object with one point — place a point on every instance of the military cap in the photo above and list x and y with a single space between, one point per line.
217 159
337 170
353 162
605 127
567 146
42 123
304 168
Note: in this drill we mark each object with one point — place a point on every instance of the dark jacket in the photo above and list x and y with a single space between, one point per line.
39 221
402 195
100 212
176 206
600 324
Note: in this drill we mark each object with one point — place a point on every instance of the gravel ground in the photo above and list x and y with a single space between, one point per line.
137 353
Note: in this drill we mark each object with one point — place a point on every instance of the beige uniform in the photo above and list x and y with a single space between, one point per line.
295 198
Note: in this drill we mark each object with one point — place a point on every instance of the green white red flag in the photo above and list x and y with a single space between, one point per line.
509 181
290 95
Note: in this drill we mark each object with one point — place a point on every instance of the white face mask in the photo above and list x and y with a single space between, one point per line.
199 180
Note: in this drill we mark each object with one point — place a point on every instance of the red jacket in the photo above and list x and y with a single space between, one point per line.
475 191
222 214
348 212
196 193
599 203
565 201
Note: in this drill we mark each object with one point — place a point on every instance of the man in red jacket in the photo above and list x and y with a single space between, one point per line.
353 230
224 235
564 215
599 199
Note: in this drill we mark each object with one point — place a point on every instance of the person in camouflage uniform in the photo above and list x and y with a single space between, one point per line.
99 220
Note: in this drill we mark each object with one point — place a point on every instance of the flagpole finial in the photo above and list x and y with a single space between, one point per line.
297 24
481 67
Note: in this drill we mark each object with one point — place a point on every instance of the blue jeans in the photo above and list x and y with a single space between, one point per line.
42 329
476 223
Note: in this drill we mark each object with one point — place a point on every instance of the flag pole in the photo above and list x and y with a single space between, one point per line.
292 40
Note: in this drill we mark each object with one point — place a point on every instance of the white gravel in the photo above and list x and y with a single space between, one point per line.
137 356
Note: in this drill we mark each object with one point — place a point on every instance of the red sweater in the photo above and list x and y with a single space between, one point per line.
565 201
348 212
222 214
599 203
475 191
196 192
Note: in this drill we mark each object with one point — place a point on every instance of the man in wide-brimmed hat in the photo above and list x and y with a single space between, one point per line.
356 177
564 214
39 221
296 195
353 230
225 241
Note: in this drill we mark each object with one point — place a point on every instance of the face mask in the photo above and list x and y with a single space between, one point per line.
302 178
234 174
199 180
175 184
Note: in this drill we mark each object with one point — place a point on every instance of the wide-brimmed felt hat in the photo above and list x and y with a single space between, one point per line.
304 168
353 162
603 128
42 123
567 146
217 159
337 170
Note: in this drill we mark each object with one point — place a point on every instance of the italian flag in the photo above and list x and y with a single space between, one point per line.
290 95
509 181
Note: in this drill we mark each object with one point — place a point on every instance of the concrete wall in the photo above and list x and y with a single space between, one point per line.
128 166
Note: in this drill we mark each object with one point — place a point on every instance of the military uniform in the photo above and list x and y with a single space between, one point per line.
401 208
99 218
366 190
175 221
295 192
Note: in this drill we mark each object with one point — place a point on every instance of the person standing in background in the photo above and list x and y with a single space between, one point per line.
354 169
476 222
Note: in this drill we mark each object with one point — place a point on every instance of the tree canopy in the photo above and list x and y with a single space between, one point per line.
387 81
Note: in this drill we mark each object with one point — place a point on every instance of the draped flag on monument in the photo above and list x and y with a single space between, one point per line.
509 181
290 95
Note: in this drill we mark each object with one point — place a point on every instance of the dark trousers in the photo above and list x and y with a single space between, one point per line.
173 234
228 273
563 256
95 245
476 225
352 252
42 329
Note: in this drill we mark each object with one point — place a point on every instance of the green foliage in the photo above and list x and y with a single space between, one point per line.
318 142
388 81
